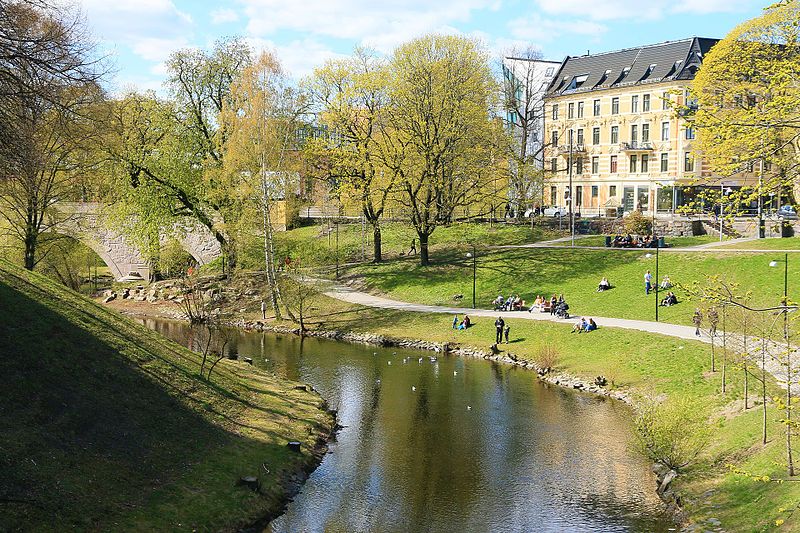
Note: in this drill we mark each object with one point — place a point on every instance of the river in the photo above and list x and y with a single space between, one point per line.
449 444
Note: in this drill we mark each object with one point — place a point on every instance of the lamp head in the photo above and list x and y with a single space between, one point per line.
469 255
648 256
773 263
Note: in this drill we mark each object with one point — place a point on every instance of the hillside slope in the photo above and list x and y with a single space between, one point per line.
106 425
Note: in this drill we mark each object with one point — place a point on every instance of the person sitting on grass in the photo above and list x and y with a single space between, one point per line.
591 325
666 283
669 299
604 285
579 326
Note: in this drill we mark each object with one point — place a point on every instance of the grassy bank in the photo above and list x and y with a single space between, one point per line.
106 425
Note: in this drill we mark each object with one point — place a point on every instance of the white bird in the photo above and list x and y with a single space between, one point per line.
377 381
455 372
390 362
437 349
469 408
394 353
433 359
413 388
420 360
374 353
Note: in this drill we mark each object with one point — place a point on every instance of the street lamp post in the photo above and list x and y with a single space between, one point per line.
473 255
657 285
337 249
722 193
785 305
571 213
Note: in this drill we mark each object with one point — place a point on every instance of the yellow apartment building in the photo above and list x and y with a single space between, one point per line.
611 126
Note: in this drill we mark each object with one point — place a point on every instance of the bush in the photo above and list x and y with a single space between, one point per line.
637 224
672 433
547 357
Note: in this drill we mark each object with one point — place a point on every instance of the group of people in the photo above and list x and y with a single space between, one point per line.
463 324
666 283
501 329
669 299
634 241
584 326
512 303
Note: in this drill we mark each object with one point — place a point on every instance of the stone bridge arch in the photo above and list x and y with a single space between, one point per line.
122 257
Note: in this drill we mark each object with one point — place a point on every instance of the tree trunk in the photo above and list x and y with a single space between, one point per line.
423 249
376 242
30 251
724 350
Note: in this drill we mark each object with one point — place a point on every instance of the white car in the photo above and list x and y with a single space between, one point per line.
556 212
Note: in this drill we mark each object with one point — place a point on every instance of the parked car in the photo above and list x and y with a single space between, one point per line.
787 212
556 212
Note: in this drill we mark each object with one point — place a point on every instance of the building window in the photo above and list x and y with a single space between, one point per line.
549 72
571 110
555 111
595 136
578 196
595 191
664 162
577 167
688 162
615 106
646 103
596 108
580 109
632 166
665 131
614 134
665 100
613 164
612 190
645 162
635 104
554 137
580 136
553 164
634 134
645 133
595 164
689 133
553 195
767 166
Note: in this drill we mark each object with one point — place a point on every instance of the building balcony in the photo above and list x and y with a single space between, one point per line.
636 147
575 148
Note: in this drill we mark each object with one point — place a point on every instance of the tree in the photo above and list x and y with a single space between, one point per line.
748 104
47 92
444 147
352 96
262 120
522 89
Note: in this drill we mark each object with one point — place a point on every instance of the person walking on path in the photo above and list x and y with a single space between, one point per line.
713 320
505 332
263 310
647 282
499 325
413 250
697 320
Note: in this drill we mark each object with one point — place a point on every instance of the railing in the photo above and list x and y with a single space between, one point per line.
636 146
575 148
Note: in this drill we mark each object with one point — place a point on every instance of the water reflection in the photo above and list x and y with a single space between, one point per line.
455 445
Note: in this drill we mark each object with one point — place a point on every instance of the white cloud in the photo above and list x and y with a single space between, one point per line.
224 16
635 9
382 25
538 29
300 57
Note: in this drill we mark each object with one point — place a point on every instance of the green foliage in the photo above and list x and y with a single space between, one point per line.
637 224
173 260
672 433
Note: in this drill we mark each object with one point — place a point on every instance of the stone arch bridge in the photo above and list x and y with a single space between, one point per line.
85 223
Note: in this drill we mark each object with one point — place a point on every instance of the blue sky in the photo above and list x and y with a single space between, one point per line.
141 34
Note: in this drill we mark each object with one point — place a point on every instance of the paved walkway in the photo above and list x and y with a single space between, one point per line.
734 341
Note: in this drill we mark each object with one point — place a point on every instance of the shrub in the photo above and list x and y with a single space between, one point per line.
636 223
547 357
672 433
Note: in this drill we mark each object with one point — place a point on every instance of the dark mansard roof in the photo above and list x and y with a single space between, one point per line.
653 63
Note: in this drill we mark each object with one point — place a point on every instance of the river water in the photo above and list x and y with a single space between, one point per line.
451 444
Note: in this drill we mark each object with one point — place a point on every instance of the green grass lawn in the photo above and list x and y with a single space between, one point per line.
574 273
316 245
645 364
105 425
